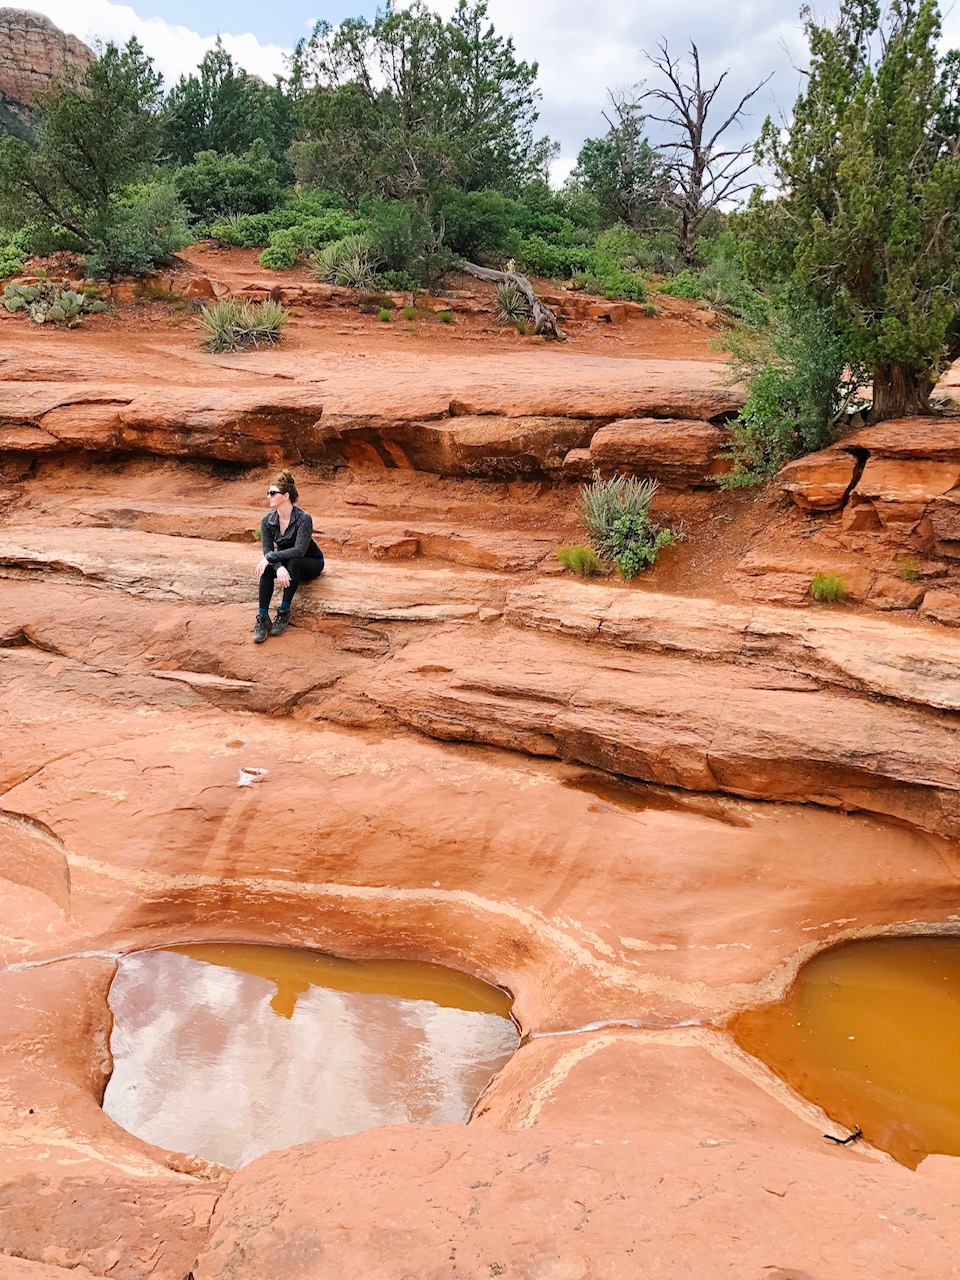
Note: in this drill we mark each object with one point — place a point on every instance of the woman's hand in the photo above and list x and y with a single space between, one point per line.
283 577
261 566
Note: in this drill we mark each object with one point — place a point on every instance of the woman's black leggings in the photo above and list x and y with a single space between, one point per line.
303 570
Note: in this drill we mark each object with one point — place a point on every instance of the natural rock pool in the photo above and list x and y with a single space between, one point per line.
230 1051
870 1031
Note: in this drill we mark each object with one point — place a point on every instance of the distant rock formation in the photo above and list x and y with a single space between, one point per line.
35 56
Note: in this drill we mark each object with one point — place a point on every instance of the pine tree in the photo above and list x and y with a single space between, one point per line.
866 219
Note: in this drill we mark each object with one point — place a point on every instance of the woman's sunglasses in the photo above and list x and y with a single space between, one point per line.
272 493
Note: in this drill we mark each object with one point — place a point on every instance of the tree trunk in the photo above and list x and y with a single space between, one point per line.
899 391
544 320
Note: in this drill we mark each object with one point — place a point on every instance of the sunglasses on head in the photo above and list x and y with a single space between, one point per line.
272 493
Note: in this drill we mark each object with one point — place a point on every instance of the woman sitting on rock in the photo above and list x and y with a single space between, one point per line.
290 555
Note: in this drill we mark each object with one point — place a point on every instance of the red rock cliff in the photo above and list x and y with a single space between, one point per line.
35 55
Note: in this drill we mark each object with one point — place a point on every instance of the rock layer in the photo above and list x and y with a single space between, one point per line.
454 760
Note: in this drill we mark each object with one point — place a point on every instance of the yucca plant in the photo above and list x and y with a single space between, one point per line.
512 306
346 262
616 516
238 326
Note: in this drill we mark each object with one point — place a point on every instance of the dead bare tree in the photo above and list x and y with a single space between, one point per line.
700 172
544 319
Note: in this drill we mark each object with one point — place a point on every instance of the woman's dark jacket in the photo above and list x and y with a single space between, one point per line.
295 542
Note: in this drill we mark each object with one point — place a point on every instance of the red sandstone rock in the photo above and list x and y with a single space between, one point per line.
679 452
942 606
820 481
933 439
901 489
200 287
36 56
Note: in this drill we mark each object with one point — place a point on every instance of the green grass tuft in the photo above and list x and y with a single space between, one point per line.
582 561
828 587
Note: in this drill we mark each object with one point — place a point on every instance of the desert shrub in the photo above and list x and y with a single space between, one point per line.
800 389
685 284
908 568
619 286
345 262
616 516
477 224
537 256
238 326
400 238
385 314
313 222
230 184
828 587
47 302
281 253
396 282
445 317
409 313
12 257
512 306
40 241
582 561
137 233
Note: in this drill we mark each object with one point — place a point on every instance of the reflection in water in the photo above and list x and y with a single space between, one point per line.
871 1032
203 1063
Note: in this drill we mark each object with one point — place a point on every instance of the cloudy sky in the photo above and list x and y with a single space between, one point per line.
583 49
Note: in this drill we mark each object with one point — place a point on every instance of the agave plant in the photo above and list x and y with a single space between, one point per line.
238 326
512 306
346 262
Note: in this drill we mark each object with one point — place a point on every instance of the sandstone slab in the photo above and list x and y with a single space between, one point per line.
678 452
820 481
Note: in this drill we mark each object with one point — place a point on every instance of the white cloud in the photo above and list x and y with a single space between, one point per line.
176 50
582 49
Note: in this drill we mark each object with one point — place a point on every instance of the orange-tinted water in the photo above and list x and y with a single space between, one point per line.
231 1051
871 1032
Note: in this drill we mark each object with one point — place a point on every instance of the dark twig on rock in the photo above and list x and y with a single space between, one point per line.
845 1142
544 320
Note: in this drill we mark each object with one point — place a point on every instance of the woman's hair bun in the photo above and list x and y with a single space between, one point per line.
284 481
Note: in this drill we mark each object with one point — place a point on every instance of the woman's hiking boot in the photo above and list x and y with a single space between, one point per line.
280 622
261 628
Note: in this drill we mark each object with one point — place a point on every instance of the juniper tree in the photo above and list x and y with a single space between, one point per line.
866 219
96 135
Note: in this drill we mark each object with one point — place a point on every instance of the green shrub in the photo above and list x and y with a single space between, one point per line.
683 285
828 587
400 238
238 326
800 389
137 233
616 516
47 302
385 314
345 262
230 184
559 262
445 317
40 241
396 282
619 286
12 260
478 224
908 568
281 253
312 222
512 306
409 313
583 561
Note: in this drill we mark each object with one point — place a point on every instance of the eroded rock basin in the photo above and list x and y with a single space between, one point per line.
870 1031
231 1051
